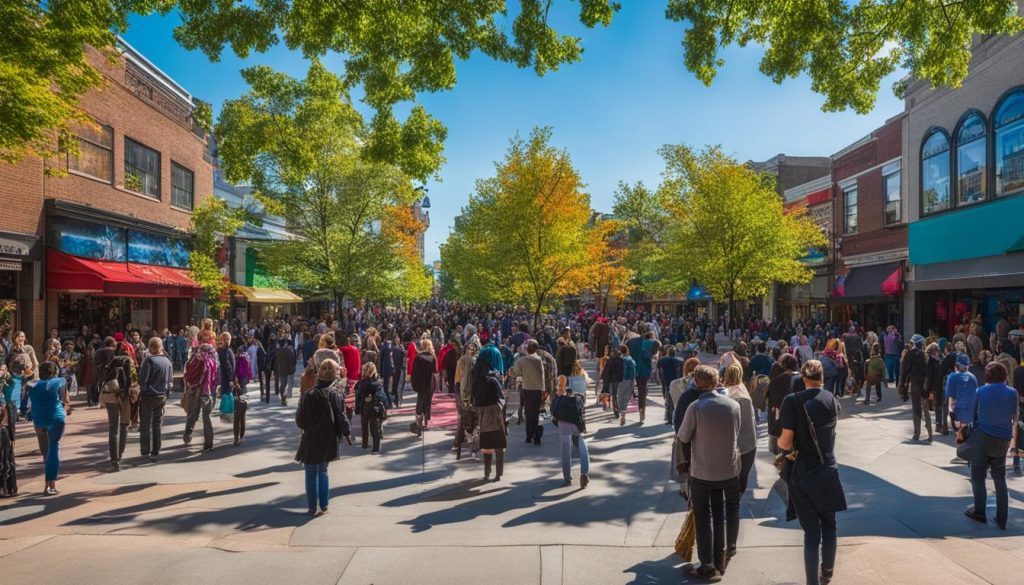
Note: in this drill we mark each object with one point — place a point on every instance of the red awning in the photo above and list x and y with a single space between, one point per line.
101 277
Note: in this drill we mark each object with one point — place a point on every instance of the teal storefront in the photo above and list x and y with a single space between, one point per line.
969 266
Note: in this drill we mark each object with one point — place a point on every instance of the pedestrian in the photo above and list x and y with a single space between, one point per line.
893 345
913 371
747 440
371 405
710 441
567 413
243 373
283 367
155 378
779 388
934 388
670 368
463 398
530 369
398 373
321 417
874 374
423 380
8 467
815 490
201 380
995 423
611 378
625 389
488 400
119 384
49 398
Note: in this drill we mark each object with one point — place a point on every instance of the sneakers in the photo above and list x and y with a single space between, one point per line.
153 458
584 480
707 573
50 491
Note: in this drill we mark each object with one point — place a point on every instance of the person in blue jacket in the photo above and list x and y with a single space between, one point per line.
48 395
625 389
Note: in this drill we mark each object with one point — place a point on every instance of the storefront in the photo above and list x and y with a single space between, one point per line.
20 265
257 293
871 295
100 277
265 303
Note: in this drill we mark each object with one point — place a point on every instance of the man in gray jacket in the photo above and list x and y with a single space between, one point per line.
531 368
155 378
710 437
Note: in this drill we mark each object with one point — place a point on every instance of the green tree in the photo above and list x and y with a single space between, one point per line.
644 222
725 228
300 144
526 234
212 220
846 48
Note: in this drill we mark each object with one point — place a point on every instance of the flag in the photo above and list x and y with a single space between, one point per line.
840 288
893 285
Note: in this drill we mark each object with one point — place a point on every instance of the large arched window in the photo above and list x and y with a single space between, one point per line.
935 172
1009 129
970 160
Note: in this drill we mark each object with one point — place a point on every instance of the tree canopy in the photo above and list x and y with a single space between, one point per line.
526 235
211 221
299 144
718 223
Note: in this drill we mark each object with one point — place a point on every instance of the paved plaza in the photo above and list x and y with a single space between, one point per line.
415 515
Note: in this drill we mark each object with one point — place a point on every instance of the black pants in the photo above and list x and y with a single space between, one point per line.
746 463
117 429
641 393
919 402
385 380
819 533
532 400
372 427
151 413
878 392
668 399
265 385
423 403
716 517
397 386
941 412
238 424
994 460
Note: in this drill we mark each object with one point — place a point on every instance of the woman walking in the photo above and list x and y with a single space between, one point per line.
809 420
321 416
568 414
371 405
49 397
625 390
747 440
243 373
120 376
423 368
489 402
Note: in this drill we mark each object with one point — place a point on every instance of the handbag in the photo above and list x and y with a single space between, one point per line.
821 484
969 447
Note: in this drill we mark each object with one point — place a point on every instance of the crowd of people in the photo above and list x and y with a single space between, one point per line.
359 364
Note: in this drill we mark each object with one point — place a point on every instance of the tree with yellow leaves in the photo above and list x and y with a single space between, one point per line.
525 235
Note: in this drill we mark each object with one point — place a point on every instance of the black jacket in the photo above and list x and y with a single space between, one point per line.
612 373
321 416
372 388
423 368
569 408
913 369
933 376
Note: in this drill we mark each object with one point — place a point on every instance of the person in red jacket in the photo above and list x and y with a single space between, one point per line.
353 361
410 356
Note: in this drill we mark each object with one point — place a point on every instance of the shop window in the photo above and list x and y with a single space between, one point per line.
893 193
1009 152
935 173
95 153
971 161
88 240
182 186
141 169
150 248
850 210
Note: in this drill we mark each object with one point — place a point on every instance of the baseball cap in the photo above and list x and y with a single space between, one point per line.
917 339
962 360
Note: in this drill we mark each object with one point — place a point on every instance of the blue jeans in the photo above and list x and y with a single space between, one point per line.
566 436
892 367
53 434
316 485
819 537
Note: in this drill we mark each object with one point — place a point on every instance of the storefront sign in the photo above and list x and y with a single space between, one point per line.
10 265
880 258
822 215
13 247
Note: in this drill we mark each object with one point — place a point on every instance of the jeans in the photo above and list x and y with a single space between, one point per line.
716 517
317 487
151 413
284 386
819 532
200 403
117 428
565 432
892 367
641 389
52 454
746 463
371 427
385 380
623 395
397 386
668 399
532 400
613 391
995 460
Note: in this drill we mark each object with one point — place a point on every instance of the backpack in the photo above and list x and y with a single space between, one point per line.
829 366
759 391
201 372
243 366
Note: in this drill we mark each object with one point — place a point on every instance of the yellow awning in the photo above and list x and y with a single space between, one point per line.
273 296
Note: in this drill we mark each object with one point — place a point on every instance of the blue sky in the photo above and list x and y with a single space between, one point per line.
629 95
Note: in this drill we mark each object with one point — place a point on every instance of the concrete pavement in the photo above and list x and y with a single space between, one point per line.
416 515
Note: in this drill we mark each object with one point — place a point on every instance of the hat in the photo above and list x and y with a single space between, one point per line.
119 337
962 360
916 339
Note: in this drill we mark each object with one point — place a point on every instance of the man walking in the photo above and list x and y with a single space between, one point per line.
913 370
710 436
284 369
893 344
530 368
155 377
995 420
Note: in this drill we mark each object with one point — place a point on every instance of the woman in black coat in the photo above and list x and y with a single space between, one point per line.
371 405
321 416
423 368
488 399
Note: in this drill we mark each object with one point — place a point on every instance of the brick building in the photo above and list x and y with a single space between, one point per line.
104 244
796 302
870 228
965 179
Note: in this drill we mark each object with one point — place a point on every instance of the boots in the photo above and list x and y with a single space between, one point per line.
500 456
487 465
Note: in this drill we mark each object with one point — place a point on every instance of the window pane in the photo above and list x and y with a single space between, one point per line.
935 183
141 168
893 199
970 171
92 160
182 186
1010 157
850 222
